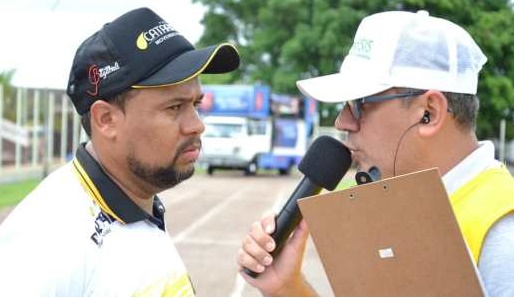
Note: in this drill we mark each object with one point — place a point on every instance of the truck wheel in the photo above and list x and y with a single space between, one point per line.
251 169
284 172
210 170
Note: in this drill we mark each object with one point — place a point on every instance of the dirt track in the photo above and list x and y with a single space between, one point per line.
208 215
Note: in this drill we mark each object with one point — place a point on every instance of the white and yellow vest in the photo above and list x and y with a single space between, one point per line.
480 203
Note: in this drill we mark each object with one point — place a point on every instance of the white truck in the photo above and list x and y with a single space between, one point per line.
248 128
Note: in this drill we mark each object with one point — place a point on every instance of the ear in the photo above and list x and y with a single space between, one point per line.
105 119
436 105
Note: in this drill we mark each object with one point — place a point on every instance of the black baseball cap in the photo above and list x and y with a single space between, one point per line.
140 50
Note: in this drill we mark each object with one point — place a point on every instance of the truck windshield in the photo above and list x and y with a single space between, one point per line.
224 130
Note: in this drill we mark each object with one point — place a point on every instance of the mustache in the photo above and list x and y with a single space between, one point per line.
195 142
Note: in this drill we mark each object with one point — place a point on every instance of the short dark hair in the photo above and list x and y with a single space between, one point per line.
119 100
464 107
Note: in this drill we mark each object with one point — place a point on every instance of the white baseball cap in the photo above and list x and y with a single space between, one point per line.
402 49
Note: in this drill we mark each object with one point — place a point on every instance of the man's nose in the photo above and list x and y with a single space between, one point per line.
193 123
345 121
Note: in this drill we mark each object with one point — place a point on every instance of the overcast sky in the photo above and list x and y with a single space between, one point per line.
38 38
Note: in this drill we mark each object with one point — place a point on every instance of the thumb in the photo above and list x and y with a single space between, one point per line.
268 222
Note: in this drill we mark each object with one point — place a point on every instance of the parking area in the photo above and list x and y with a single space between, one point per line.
208 215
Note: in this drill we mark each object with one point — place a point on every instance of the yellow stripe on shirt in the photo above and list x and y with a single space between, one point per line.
93 192
168 287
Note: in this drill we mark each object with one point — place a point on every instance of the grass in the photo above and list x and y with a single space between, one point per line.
12 193
345 183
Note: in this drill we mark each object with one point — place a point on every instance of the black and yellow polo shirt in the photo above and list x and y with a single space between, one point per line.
109 196
79 234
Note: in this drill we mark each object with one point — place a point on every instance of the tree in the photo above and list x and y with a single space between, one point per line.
8 94
5 81
282 41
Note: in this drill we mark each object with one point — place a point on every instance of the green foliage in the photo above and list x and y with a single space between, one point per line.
8 94
282 41
5 80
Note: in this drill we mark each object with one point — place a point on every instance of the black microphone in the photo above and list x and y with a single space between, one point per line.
325 163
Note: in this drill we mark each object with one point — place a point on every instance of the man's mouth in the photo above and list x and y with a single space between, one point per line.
351 148
191 153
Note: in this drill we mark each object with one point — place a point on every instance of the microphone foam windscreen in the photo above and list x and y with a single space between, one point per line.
326 162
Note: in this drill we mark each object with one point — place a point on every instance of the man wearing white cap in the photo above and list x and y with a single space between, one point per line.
409 83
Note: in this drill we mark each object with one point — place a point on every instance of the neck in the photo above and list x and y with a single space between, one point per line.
137 191
458 147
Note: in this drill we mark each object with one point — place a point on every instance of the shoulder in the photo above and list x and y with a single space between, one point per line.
497 258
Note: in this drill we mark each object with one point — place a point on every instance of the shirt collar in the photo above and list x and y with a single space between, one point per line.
479 160
108 195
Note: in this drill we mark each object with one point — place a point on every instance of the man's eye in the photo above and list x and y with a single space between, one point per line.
362 105
174 107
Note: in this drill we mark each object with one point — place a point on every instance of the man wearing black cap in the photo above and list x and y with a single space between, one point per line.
100 224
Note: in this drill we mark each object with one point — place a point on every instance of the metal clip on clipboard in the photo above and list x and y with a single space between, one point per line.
372 175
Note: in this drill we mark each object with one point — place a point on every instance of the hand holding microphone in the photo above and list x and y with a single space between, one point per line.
323 166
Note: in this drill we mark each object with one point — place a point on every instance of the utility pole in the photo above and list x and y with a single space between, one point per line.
502 140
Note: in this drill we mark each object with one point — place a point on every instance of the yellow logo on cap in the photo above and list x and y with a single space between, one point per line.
141 42
155 35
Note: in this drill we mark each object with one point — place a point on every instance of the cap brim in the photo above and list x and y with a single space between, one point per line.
214 59
339 88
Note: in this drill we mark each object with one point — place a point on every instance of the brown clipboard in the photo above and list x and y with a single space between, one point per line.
394 237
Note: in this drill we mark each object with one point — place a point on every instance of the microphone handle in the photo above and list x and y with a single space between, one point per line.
289 217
